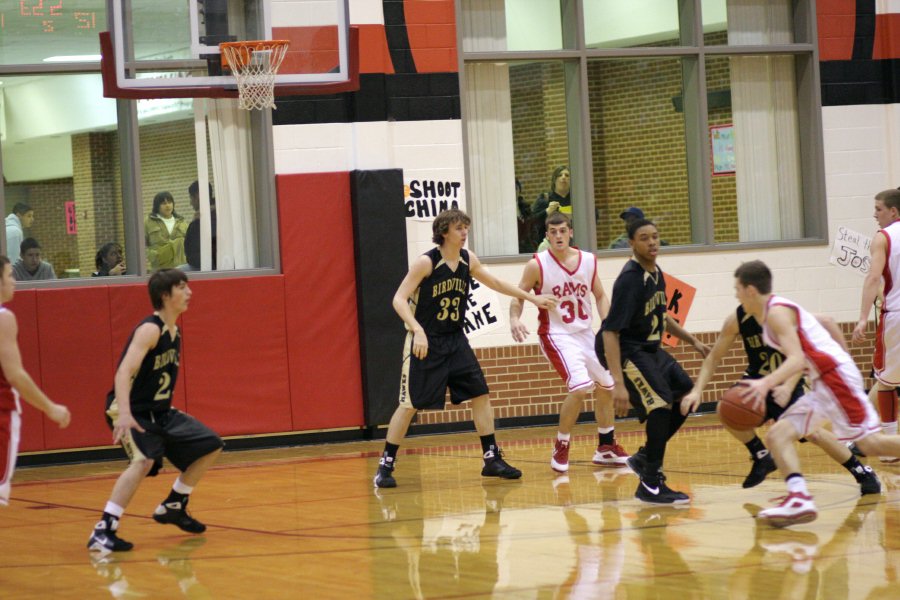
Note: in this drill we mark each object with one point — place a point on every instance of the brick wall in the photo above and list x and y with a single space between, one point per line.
638 142
523 384
47 198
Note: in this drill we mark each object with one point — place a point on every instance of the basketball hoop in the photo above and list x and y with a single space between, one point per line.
254 65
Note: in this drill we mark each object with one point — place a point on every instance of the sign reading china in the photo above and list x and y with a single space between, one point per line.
680 296
427 198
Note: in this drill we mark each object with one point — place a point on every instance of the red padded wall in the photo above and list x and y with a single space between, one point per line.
76 359
234 355
316 230
24 305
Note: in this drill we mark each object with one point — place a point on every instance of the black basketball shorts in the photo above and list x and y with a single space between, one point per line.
654 380
171 434
450 363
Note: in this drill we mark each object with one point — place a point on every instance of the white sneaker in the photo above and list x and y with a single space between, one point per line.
795 508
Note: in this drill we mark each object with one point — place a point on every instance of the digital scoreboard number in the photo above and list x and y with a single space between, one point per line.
51 16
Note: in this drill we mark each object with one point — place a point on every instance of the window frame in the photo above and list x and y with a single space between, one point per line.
809 109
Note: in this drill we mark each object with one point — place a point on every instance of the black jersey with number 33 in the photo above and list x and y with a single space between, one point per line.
439 303
152 386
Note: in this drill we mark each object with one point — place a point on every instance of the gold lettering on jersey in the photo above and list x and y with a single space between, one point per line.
166 358
754 341
448 285
659 298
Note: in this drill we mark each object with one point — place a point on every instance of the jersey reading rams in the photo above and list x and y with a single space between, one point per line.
439 303
151 389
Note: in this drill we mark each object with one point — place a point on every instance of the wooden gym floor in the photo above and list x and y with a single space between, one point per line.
306 523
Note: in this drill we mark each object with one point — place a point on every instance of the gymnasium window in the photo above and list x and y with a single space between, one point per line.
90 166
703 113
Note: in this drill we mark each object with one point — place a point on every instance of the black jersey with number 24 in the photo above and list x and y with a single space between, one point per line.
439 303
151 389
638 309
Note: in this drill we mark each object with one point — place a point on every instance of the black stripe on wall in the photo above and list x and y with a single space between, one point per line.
379 239
397 36
864 34
381 97
846 82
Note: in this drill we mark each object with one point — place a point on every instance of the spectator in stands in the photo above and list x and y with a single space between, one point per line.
20 219
630 214
110 260
528 225
559 199
164 230
30 266
192 238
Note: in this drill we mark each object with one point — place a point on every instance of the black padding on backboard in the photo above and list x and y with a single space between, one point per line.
379 234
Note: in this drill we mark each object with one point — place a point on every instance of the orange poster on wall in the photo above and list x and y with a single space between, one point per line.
679 297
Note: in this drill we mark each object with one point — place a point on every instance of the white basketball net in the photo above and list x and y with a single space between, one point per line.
255 70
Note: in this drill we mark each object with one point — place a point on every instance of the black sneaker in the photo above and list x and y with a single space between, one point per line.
758 472
176 514
495 466
637 462
867 480
104 541
657 492
384 476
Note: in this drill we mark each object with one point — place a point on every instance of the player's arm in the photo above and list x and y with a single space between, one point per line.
730 331
834 330
531 279
419 270
480 272
144 340
18 377
782 322
674 328
601 297
613 351
872 285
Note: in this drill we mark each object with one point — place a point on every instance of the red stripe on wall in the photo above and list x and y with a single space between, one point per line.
887 36
836 21
431 27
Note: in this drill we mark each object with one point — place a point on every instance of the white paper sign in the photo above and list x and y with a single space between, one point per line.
483 311
851 251
427 198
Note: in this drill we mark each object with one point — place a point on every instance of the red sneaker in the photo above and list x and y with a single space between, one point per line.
559 462
610 456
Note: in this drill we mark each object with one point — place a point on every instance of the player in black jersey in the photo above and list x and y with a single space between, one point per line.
431 300
139 410
762 360
644 374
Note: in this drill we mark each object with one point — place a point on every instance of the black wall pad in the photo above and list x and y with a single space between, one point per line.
379 234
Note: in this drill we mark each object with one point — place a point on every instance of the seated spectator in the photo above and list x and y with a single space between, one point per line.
20 219
30 267
192 237
629 215
110 260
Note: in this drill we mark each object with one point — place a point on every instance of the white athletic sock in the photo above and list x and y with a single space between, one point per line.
797 484
889 428
605 429
563 437
181 488
114 509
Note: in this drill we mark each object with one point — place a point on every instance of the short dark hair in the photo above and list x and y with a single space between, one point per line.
558 218
162 282
890 198
637 224
163 197
755 273
194 190
21 208
443 221
27 244
103 251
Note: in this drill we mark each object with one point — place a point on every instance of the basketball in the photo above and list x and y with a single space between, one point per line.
736 412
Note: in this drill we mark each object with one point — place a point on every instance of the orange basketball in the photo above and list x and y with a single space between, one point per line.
736 412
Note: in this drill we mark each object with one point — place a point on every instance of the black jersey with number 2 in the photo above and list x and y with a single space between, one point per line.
151 389
638 309
439 303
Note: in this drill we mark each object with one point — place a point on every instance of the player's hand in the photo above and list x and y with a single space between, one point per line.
545 301
118 269
60 415
690 403
702 348
420 344
859 332
518 330
620 400
756 391
782 395
123 424
552 207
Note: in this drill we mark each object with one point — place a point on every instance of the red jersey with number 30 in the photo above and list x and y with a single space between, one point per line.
572 288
